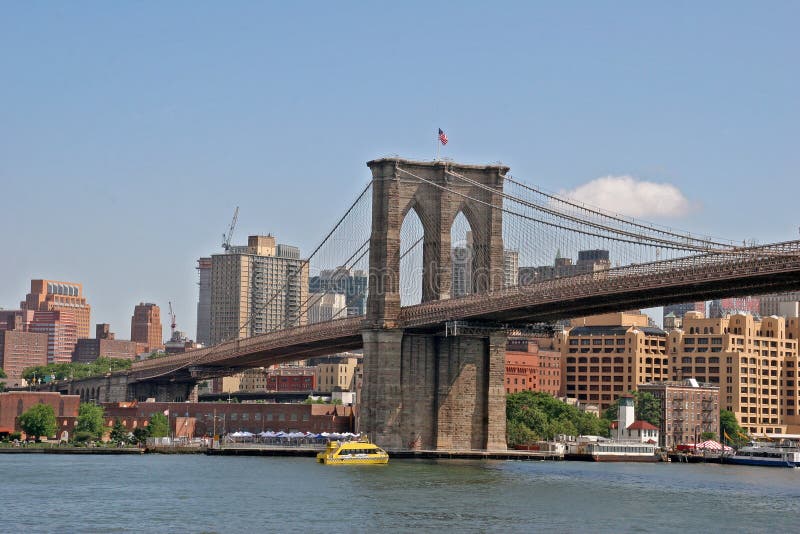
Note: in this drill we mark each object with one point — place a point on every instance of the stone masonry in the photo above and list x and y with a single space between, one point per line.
423 390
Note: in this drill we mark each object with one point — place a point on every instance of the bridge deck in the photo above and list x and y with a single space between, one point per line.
741 272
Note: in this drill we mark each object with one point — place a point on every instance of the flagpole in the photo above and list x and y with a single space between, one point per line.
437 147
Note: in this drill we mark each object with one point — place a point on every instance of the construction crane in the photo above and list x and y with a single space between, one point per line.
172 323
226 239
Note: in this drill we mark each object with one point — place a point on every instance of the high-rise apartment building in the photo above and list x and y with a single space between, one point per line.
204 301
61 328
146 327
257 289
605 356
754 362
49 295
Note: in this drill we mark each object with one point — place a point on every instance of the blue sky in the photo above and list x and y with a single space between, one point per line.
130 131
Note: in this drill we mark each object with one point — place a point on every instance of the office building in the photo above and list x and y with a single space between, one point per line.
782 304
604 356
352 283
258 288
105 345
51 295
589 261
146 327
326 306
61 328
754 363
20 349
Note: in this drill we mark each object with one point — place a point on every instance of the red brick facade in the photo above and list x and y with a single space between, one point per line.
210 417
531 368
15 403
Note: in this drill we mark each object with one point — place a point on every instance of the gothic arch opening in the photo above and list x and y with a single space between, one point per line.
412 235
462 254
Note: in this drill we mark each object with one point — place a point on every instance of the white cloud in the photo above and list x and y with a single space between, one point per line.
629 196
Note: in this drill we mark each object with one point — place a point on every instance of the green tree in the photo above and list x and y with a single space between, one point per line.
2 384
732 433
708 435
90 419
39 420
159 425
545 417
519 434
646 406
140 434
118 432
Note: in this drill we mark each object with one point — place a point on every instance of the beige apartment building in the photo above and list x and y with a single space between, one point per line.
336 373
604 356
754 362
256 289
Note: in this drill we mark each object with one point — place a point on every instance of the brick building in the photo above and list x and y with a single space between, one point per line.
15 403
530 367
211 417
106 346
20 349
687 410
146 326
61 328
301 379
52 295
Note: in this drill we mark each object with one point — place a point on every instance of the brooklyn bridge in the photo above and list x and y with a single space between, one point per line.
434 357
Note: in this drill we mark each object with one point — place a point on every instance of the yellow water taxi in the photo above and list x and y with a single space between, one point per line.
352 453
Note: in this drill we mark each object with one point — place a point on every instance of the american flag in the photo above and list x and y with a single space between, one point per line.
442 137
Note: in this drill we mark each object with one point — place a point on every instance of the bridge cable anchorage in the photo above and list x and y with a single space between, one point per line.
575 219
621 218
541 221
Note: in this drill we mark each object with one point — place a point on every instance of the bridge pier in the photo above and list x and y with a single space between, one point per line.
431 391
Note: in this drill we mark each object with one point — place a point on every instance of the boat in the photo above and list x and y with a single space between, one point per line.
362 452
782 454
595 449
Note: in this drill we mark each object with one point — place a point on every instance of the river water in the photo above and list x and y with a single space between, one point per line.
194 493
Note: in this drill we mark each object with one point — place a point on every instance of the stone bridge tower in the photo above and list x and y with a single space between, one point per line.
424 389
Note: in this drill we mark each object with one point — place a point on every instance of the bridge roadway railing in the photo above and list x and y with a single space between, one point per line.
300 335
718 265
711 266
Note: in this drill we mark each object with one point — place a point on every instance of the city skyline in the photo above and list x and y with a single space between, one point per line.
142 162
